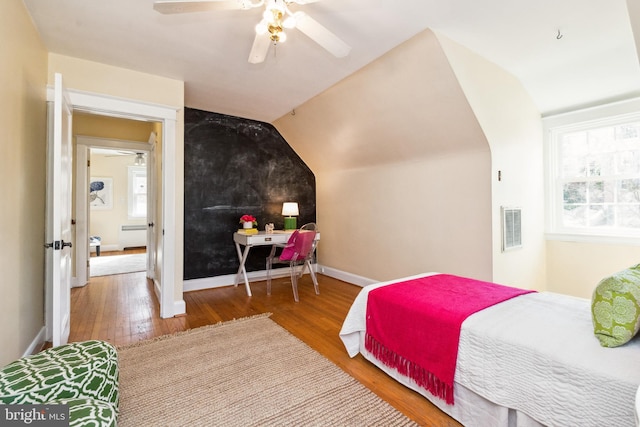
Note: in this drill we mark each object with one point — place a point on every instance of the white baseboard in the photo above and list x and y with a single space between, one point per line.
106 248
346 276
75 283
156 289
179 308
255 276
37 343
229 279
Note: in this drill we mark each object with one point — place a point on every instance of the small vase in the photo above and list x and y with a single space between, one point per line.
247 224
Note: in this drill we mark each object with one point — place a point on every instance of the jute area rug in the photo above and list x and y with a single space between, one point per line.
247 372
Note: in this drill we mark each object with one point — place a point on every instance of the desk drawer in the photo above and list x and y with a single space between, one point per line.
267 239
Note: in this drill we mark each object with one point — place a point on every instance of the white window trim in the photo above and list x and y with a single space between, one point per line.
562 123
132 171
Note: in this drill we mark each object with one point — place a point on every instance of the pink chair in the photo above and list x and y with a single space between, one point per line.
298 251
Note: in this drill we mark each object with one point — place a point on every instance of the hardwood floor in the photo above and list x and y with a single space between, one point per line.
123 309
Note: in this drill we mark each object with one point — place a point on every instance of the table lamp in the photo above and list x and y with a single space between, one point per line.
290 212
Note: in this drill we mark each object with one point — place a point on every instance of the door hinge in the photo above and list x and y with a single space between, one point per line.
88 163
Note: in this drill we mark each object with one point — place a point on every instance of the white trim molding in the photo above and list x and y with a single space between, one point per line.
229 279
346 276
37 343
255 276
102 104
583 238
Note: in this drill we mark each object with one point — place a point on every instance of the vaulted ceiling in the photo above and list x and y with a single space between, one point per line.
567 54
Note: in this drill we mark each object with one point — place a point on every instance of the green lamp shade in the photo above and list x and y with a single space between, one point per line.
290 223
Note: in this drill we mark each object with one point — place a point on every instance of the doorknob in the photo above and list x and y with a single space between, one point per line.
57 245
150 224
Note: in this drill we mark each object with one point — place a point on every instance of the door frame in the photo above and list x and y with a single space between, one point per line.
165 279
82 215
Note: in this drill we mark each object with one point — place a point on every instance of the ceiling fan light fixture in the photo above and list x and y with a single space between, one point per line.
289 22
139 160
250 4
270 31
262 28
277 6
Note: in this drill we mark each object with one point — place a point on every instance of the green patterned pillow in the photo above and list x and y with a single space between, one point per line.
615 307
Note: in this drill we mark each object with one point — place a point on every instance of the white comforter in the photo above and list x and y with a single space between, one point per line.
536 354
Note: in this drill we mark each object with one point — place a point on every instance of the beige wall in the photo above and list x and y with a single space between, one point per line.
575 268
80 74
402 168
395 220
513 127
111 127
83 75
421 134
23 78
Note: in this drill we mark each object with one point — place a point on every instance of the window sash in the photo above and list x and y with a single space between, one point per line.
599 193
137 189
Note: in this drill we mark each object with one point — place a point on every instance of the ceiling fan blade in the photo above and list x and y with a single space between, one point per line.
112 153
319 34
301 1
260 48
187 6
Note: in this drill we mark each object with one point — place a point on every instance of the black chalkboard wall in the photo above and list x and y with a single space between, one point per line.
234 166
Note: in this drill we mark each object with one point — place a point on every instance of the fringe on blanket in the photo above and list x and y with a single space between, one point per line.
421 376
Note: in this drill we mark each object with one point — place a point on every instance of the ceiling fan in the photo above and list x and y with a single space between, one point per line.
138 161
271 29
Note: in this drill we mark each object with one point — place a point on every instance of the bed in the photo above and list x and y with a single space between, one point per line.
531 360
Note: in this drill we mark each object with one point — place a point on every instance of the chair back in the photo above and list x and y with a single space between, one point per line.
310 226
299 245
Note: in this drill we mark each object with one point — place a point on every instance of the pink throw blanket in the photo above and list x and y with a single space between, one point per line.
414 326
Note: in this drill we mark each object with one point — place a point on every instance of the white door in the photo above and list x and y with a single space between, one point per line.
58 257
151 208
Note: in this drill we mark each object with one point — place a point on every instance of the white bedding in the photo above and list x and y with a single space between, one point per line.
532 360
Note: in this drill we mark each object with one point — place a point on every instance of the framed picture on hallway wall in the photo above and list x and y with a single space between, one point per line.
101 193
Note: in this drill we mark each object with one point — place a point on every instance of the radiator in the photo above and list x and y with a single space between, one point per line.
132 236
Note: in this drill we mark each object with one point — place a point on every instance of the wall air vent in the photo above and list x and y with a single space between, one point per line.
511 228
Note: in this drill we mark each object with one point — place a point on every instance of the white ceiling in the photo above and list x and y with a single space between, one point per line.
594 60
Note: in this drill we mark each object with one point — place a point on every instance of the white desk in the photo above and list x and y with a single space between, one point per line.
278 237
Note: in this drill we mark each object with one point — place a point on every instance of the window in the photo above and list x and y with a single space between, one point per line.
595 177
137 192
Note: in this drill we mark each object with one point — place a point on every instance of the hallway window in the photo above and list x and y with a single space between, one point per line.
137 192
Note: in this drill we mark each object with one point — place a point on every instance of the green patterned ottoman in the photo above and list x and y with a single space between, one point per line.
90 413
82 370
